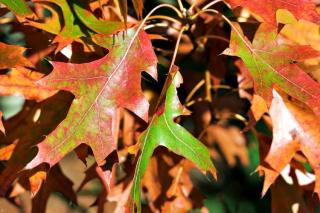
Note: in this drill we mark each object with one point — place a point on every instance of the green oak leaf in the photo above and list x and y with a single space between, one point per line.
163 131
77 22
72 28
90 21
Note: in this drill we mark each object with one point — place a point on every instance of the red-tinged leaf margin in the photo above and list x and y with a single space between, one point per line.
266 9
90 79
271 65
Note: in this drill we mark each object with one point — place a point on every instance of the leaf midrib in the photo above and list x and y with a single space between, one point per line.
99 94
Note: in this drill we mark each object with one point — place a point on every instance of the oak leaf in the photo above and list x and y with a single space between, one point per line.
105 27
295 128
267 9
41 118
273 65
163 131
290 198
100 88
231 142
138 6
77 22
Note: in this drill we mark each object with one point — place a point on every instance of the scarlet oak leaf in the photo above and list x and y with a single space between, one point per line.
163 131
11 56
266 9
272 65
100 88
295 128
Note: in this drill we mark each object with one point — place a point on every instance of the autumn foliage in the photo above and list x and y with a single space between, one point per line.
160 107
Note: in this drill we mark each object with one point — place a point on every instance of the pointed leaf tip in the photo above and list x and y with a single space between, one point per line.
163 131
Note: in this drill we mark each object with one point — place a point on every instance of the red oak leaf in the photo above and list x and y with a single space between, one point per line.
266 9
100 88
273 65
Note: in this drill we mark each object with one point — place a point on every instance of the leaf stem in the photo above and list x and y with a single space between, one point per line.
211 4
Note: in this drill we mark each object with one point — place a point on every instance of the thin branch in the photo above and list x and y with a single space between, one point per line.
193 102
167 18
177 47
194 90
172 71
214 37
149 26
208 86
181 5
210 4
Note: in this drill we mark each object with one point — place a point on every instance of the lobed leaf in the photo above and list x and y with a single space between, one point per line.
100 88
163 131
267 9
273 65
25 130
90 21
295 128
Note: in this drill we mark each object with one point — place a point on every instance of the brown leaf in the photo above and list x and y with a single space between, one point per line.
287 198
258 107
55 182
295 128
23 82
22 139
231 142
11 56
